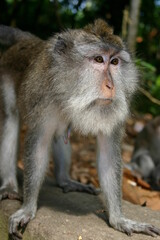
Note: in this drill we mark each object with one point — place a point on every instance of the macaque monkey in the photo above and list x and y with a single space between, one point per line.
82 79
146 156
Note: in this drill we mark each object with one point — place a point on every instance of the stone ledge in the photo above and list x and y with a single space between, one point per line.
68 216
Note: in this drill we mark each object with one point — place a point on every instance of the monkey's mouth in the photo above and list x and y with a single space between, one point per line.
104 101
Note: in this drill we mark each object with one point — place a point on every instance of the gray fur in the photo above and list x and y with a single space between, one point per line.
10 36
9 136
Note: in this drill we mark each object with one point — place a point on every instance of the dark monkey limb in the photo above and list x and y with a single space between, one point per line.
84 78
62 167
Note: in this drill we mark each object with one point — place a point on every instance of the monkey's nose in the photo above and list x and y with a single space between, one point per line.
108 89
109 83
109 86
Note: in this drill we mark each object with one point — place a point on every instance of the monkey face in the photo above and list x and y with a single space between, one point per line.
101 86
99 79
99 101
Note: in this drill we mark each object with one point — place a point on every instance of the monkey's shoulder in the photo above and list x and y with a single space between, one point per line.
19 56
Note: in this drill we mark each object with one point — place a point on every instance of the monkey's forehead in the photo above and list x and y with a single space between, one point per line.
111 39
99 33
94 35
83 37
87 43
102 30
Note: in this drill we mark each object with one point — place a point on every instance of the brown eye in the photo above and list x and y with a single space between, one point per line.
115 61
99 59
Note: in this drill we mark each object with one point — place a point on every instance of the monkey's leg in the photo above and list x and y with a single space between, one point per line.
156 178
9 140
62 159
37 146
109 168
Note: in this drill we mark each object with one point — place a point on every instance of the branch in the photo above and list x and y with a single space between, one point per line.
149 96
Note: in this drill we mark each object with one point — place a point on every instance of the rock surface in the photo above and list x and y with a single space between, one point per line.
73 216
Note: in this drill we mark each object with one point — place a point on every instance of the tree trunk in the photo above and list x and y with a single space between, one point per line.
133 24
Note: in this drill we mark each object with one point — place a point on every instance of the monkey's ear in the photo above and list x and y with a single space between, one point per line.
61 45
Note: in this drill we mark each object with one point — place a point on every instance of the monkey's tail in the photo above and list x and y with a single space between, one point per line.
10 35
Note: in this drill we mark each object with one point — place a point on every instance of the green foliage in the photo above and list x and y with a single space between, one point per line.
150 81
149 31
47 16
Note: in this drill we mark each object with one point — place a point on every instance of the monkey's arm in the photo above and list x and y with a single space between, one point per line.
109 168
37 144
62 160
9 133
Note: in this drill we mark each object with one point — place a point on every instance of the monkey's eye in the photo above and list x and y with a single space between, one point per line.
115 61
99 59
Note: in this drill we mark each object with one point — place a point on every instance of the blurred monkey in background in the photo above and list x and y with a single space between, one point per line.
146 156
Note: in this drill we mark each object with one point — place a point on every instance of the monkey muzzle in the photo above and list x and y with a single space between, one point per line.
104 101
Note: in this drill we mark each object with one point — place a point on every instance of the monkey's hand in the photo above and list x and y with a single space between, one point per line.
72 186
128 226
18 222
10 193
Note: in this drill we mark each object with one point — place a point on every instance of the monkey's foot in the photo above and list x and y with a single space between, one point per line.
18 222
10 193
74 186
128 226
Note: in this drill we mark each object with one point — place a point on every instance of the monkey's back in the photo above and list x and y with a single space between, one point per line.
15 63
16 59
